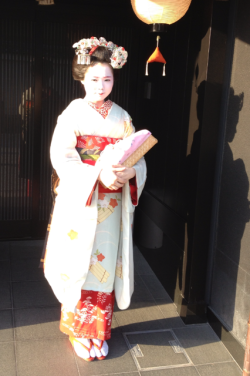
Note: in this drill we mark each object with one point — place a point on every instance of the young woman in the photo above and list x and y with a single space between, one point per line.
89 258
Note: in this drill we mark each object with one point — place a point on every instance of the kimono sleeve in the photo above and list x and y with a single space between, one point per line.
137 183
75 177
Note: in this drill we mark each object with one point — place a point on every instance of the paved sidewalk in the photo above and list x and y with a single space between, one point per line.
148 339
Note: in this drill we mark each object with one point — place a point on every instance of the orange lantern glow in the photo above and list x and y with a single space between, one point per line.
160 11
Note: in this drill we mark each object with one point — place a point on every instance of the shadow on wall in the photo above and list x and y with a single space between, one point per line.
234 205
189 185
234 213
190 258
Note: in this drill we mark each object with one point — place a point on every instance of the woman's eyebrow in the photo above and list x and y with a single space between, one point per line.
103 77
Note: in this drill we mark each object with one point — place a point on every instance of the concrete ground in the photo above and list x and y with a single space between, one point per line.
148 339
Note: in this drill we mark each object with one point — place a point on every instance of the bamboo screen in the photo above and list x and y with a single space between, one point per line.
32 98
16 120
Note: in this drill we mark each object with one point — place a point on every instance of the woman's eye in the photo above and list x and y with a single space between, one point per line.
107 80
93 79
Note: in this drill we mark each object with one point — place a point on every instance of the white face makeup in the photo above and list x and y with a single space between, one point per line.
98 83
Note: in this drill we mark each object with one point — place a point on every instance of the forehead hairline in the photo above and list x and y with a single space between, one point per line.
101 67
102 76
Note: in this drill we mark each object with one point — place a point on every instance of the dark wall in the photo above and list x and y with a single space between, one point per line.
184 113
231 268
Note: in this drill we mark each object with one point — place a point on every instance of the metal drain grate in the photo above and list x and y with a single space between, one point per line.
178 349
156 349
136 351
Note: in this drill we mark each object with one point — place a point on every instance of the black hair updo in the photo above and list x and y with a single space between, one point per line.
100 55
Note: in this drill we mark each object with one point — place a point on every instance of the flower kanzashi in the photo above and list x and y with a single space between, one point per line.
85 48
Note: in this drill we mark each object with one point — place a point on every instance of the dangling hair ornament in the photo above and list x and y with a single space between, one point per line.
86 47
157 58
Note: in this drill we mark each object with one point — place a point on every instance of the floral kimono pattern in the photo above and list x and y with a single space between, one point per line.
94 311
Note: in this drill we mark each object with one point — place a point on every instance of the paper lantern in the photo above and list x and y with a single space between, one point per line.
45 2
160 11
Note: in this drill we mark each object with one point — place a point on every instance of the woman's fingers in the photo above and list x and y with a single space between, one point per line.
115 177
121 180
116 186
126 175
118 168
120 174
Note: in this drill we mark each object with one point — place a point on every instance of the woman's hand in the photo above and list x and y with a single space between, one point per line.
123 173
116 176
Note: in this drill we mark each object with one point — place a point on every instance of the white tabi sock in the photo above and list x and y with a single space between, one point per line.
81 351
104 349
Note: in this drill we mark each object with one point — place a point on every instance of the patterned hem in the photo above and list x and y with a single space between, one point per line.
93 316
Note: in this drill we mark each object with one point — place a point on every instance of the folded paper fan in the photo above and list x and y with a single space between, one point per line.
129 150
140 152
130 144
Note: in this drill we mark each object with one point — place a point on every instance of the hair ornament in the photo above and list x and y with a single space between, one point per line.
86 47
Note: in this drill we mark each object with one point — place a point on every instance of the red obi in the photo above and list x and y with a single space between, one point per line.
90 148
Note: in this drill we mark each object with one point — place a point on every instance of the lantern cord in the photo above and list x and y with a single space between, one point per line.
164 70
157 40
146 73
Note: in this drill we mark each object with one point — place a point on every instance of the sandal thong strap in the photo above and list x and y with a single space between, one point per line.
98 346
73 339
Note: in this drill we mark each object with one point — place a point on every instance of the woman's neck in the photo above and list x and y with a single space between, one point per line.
98 104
